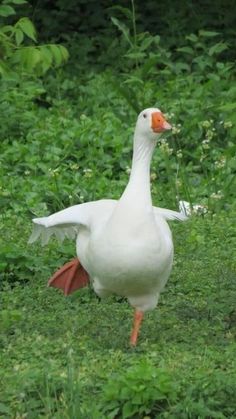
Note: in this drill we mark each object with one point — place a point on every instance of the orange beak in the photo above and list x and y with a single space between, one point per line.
159 124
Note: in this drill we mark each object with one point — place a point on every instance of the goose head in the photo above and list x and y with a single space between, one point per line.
151 123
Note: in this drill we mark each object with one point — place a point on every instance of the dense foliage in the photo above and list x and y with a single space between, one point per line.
66 138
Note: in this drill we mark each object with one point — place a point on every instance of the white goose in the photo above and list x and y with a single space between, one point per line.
123 247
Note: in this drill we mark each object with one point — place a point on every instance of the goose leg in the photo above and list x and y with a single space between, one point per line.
70 277
138 317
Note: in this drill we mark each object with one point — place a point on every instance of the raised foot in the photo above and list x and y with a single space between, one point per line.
70 277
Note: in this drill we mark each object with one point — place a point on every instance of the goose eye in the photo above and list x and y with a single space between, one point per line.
144 115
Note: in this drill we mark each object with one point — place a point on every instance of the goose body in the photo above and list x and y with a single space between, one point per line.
125 246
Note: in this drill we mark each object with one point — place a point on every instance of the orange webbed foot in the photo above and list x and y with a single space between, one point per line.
70 277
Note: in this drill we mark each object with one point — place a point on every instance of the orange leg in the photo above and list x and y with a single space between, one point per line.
138 317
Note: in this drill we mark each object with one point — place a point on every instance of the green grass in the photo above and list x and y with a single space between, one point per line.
66 139
69 357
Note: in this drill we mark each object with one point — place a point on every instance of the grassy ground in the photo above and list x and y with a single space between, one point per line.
70 357
66 139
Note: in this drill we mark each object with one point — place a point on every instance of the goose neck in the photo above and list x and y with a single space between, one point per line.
138 187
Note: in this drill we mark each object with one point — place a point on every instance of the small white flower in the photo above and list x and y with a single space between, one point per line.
88 173
206 124
200 209
179 154
164 146
217 195
197 209
220 163
169 115
205 144
228 124
74 166
209 134
54 172
178 184
175 129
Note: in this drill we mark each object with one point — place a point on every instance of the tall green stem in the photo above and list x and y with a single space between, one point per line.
134 30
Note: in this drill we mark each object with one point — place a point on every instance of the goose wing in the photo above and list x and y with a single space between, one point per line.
66 223
168 214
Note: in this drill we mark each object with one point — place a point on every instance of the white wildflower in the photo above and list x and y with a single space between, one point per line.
205 144
54 172
169 115
228 124
217 195
178 183
164 146
219 164
197 209
210 134
176 129
202 158
206 124
88 173
153 176
128 170
74 166
179 154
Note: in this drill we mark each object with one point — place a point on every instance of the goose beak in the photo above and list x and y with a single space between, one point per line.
159 124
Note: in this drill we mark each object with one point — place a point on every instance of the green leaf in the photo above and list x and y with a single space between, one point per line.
218 48
35 57
6 10
18 1
27 27
46 58
192 37
228 107
188 50
19 36
4 408
126 12
182 66
57 55
123 28
137 55
129 410
208 34
146 43
64 52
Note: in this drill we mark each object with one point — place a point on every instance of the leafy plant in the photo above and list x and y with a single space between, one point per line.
142 390
17 53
